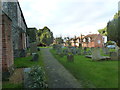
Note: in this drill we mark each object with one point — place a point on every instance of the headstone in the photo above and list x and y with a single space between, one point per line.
38 48
118 54
35 57
84 50
26 79
70 57
105 51
33 48
23 53
65 51
74 51
89 52
58 51
113 56
96 54
78 51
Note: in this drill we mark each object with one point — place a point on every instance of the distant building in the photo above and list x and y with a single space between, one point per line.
90 40
93 40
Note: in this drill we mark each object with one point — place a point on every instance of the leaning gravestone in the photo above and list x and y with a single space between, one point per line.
113 56
33 47
96 54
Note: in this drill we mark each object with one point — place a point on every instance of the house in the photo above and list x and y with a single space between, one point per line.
90 40
93 40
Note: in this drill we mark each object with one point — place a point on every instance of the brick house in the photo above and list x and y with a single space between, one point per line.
90 40
7 49
93 40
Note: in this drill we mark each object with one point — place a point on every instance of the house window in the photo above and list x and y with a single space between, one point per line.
99 41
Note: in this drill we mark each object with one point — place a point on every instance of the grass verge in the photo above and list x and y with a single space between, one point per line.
99 74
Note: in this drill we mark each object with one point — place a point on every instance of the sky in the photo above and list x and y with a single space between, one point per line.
69 17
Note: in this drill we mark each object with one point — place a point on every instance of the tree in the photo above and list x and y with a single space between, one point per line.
32 34
103 31
45 36
113 30
59 40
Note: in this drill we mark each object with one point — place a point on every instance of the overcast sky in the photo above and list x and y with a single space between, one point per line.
69 17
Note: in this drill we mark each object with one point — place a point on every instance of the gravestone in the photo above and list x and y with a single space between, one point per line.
38 48
78 51
70 58
89 52
113 55
35 57
105 51
26 79
22 53
118 54
84 50
33 48
74 51
96 54
58 51
65 51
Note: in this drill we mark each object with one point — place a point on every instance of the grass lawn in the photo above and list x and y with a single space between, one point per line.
98 74
24 62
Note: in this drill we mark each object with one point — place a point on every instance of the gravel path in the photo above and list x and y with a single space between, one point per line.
58 76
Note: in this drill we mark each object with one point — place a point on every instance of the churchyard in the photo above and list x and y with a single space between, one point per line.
93 67
35 58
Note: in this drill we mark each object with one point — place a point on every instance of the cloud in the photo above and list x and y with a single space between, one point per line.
69 17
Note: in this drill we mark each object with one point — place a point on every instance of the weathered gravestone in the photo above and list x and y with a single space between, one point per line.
33 47
78 51
84 51
70 58
22 53
38 48
89 52
35 57
113 55
27 81
105 51
65 51
96 54
74 51
118 54
59 51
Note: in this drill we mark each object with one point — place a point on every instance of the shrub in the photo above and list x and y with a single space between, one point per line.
36 78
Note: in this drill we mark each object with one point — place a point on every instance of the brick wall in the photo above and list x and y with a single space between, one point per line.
7 48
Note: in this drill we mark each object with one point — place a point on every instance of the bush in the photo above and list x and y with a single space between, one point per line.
36 78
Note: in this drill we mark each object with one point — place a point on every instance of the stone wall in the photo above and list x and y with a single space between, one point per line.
14 12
